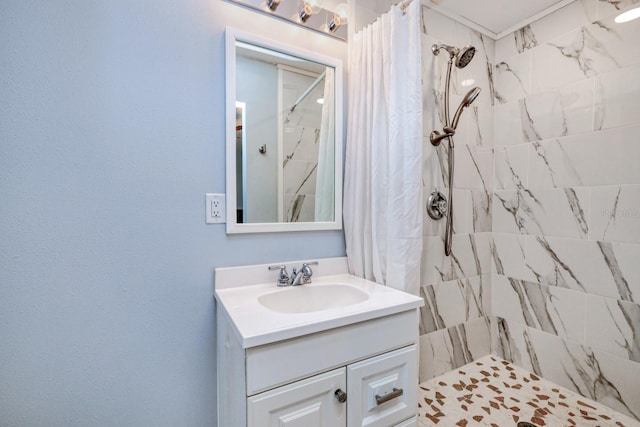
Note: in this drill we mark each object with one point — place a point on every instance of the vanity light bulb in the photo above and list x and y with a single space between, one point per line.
273 4
315 5
342 11
306 11
320 101
629 15
340 17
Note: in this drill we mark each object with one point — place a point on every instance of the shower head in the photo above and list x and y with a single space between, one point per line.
464 56
466 101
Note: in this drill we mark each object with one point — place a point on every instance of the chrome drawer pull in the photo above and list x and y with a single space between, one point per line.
397 392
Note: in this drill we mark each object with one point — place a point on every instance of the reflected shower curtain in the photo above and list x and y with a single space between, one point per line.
383 171
325 176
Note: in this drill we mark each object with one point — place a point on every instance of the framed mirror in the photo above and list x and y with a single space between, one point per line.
284 136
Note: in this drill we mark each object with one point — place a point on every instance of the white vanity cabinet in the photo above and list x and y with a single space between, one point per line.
298 382
298 364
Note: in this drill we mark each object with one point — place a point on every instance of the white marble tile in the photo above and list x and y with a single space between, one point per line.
510 171
616 383
471 256
600 158
477 336
598 268
299 208
450 348
508 124
300 177
593 374
440 352
479 211
512 78
301 143
451 303
609 8
617 98
570 17
575 161
615 214
559 212
508 255
480 125
444 29
589 51
613 326
473 168
565 111
434 166
548 308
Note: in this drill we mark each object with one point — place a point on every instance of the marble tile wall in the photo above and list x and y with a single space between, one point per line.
454 327
545 269
565 284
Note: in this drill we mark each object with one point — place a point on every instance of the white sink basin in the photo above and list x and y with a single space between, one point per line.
262 313
309 298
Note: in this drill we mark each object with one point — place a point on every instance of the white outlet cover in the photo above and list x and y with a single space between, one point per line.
215 212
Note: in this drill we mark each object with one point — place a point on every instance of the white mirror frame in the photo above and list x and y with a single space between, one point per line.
232 35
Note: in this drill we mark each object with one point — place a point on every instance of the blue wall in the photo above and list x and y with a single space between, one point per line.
111 132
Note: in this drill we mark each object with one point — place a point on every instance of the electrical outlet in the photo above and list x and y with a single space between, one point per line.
215 209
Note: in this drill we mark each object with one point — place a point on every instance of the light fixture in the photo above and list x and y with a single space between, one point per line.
467 82
273 5
629 15
320 101
340 17
308 8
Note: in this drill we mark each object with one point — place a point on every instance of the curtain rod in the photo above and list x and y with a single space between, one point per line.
308 91
404 4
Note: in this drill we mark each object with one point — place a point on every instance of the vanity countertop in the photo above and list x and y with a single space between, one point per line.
257 325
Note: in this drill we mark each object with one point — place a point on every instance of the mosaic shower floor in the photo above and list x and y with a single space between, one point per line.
493 392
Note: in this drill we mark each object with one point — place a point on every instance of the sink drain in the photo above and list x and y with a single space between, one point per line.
525 424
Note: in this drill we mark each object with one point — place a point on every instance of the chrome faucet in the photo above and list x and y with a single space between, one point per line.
297 277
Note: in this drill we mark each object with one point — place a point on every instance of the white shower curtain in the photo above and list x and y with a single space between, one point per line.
383 171
326 175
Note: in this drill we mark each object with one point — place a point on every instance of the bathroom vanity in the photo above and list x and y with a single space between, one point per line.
339 351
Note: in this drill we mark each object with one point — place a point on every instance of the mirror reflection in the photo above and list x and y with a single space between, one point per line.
285 137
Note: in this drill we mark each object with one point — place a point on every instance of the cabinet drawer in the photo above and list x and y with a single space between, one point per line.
383 390
309 403
272 365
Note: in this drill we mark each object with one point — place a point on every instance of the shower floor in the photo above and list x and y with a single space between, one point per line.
493 392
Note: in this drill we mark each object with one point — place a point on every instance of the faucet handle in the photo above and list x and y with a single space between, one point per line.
283 276
307 272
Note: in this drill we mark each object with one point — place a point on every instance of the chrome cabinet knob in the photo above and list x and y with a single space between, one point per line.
341 395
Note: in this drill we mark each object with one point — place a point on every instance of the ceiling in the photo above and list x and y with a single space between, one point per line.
496 18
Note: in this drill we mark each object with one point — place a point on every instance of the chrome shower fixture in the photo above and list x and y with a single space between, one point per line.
438 206
462 56
466 101
436 137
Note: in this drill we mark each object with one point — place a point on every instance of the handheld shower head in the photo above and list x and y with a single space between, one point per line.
464 56
466 101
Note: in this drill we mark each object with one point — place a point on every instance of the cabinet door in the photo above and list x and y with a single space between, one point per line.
383 390
307 403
